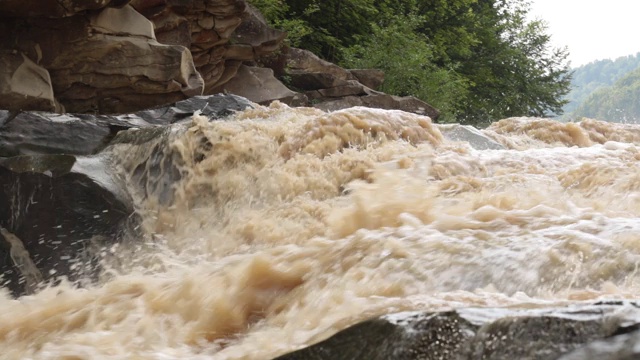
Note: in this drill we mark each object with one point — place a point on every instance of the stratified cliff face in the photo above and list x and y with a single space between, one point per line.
124 56
120 56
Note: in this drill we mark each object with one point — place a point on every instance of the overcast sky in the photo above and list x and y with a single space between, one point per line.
592 29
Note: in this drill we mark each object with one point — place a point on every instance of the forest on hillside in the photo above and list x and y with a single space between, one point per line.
616 103
477 61
596 77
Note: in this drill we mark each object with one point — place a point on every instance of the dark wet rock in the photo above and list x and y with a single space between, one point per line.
467 133
418 336
598 331
26 133
621 347
54 209
213 106
151 164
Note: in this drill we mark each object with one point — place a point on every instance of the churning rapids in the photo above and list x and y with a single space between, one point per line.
288 225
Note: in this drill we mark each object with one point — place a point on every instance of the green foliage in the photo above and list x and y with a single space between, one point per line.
408 62
476 60
617 103
277 13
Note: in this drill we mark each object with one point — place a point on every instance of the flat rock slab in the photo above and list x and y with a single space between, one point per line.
28 133
213 106
594 331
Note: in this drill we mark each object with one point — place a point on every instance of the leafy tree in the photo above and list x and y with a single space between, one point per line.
512 68
409 64
478 60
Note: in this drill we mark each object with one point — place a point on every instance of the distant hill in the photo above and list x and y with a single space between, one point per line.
617 103
597 75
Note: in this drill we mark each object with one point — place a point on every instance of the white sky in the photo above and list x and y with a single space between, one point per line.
592 29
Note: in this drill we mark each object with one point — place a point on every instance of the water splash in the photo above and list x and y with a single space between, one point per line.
285 225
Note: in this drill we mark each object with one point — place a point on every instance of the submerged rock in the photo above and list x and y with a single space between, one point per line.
469 134
598 331
53 210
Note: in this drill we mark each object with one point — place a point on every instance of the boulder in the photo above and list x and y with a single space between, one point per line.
301 61
152 165
107 62
24 85
29 133
348 88
484 333
620 347
260 86
469 134
212 106
220 34
330 87
55 210
256 33
371 78
314 81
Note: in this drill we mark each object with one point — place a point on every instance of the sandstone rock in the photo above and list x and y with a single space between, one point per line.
53 8
107 62
259 85
314 81
255 32
482 333
205 27
371 78
350 88
330 87
53 209
467 133
24 85
302 61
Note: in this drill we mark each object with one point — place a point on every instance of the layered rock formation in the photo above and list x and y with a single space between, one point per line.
123 56
106 57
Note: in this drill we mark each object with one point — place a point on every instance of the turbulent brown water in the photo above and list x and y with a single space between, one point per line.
291 224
